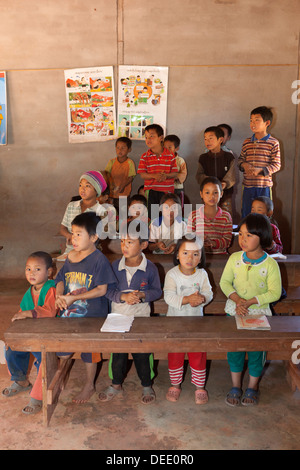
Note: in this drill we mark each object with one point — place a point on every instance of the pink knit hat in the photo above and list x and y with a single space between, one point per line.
96 179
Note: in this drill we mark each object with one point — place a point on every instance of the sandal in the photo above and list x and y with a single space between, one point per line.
14 389
234 394
109 393
173 394
33 407
250 394
201 396
148 395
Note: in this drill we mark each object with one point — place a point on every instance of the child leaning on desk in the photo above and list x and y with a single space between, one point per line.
38 302
187 289
251 280
137 285
81 286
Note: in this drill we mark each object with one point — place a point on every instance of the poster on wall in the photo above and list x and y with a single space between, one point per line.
90 104
3 109
142 99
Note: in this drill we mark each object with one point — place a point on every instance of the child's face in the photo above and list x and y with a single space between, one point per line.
36 272
137 209
211 194
258 125
153 141
259 207
212 142
247 241
171 146
86 190
132 247
169 211
81 240
189 256
122 151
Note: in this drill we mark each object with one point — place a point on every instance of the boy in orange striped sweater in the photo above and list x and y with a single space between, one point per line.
259 158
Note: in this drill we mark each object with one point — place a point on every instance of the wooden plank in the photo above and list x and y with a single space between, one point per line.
49 368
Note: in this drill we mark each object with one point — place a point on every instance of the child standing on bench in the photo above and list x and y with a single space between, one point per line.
264 205
138 284
81 286
251 280
186 291
38 302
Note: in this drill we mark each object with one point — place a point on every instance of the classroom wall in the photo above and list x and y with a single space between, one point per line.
225 57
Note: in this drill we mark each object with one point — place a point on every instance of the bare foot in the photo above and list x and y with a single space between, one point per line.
85 394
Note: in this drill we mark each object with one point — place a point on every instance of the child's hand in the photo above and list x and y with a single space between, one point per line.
196 299
170 249
256 171
161 246
64 301
22 315
131 298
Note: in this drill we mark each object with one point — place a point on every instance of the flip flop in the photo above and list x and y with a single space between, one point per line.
14 389
201 397
109 393
173 394
235 393
148 392
252 395
33 407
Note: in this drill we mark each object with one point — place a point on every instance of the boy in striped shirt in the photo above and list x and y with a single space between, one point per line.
157 166
259 159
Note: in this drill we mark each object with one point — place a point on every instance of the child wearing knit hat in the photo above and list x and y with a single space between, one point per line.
91 185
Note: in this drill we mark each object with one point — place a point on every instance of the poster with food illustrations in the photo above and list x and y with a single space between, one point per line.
142 99
90 104
3 109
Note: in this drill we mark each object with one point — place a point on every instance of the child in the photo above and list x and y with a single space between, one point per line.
157 166
251 280
138 209
91 185
120 171
259 159
186 291
216 162
81 285
168 227
210 221
38 302
172 143
264 205
138 284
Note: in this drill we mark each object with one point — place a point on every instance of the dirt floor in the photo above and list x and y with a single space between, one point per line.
127 424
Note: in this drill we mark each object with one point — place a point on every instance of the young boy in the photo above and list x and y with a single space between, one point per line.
120 171
81 286
210 221
157 166
216 162
172 143
137 208
138 284
91 185
259 158
38 302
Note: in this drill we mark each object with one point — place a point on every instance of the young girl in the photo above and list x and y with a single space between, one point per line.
166 229
186 291
251 280
264 205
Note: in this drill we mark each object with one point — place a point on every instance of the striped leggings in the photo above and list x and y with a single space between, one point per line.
197 363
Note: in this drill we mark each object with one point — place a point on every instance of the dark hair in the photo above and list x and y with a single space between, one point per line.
136 228
213 180
89 221
265 112
190 238
155 127
125 141
259 224
172 196
216 130
174 139
139 198
267 201
44 256
226 126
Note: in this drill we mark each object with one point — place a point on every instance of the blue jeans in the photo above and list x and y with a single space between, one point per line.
18 363
251 193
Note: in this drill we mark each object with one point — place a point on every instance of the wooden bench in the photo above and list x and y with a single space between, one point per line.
216 335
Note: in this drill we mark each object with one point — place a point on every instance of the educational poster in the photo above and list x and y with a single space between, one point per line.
3 110
90 104
142 99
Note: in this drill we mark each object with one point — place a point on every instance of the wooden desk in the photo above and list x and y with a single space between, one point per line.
159 335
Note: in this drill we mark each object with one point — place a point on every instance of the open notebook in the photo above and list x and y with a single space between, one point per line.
117 323
252 322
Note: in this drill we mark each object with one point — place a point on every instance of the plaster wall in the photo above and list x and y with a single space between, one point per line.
225 57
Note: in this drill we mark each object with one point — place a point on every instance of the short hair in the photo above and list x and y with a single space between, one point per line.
155 127
89 221
258 224
216 130
172 196
265 112
226 126
125 141
44 256
213 180
139 198
267 201
190 238
174 139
